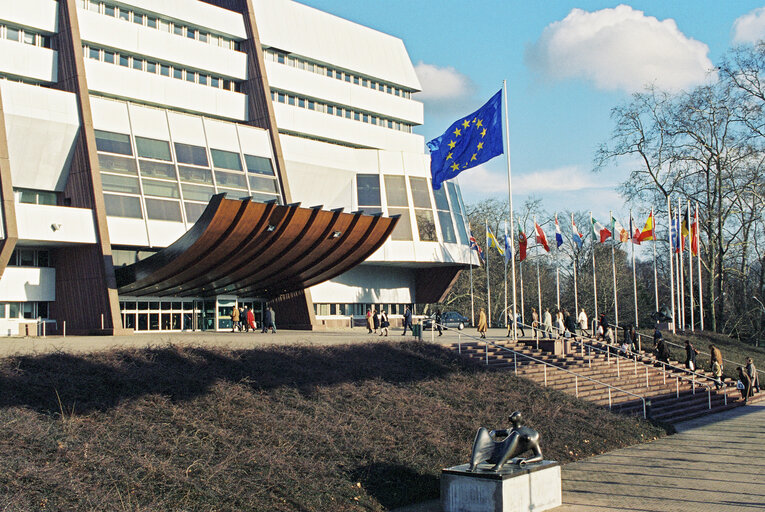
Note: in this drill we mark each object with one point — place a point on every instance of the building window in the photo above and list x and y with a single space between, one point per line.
158 209
123 206
28 196
259 165
192 155
368 190
117 164
457 209
226 160
398 204
444 217
153 148
423 209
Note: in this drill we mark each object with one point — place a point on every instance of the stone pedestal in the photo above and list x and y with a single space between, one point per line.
533 487
557 347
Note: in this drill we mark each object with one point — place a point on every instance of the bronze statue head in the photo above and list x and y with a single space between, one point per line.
516 418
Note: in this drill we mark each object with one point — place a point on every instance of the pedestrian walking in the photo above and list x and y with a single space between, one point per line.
384 324
519 325
407 320
273 319
583 325
751 370
534 321
559 327
570 324
482 323
547 322
375 319
715 356
251 319
690 355
744 384
266 320
234 318
369 321
438 322
243 319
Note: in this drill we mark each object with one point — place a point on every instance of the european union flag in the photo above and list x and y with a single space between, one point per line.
468 142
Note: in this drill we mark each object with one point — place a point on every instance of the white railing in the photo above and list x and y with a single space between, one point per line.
545 365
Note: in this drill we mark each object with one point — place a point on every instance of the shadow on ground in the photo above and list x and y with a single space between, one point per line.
97 382
395 485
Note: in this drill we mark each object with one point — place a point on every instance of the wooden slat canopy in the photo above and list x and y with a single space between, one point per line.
249 249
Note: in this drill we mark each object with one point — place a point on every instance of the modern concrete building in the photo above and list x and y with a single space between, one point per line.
121 120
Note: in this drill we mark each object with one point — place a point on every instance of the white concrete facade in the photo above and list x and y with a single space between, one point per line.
166 82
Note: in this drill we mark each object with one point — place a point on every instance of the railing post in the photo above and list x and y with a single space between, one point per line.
618 374
609 398
64 328
664 374
644 412
677 387
725 395
433 331
635 361
515 363
693 387
486 344
576 385
639 346
537 333
608 354
646 376
709 397
589 356
545 367
459 342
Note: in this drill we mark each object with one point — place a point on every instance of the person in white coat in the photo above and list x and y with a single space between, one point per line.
582 319
547 322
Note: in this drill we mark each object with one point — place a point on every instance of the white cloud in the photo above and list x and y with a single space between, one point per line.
562 179
482 183
619 48
442 84
750 27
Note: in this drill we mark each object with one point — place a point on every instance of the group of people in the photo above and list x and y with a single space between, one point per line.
565 323
243 319
378 321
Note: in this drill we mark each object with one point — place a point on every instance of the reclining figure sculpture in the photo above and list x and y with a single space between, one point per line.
500 446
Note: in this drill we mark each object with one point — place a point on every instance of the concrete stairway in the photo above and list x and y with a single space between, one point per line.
671 396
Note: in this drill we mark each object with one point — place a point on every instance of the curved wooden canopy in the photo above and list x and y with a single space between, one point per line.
249 249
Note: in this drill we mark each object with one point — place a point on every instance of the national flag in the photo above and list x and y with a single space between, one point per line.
634 232
647 233
558 234
508 246
492 241
600 231
541 238
695 233
617 230
675 232
522 244
470 141
684 231
577 236
474 245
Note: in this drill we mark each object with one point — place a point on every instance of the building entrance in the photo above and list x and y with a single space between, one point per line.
168 315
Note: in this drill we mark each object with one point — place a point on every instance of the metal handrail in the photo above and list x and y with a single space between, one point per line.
664 373
577 376
701 353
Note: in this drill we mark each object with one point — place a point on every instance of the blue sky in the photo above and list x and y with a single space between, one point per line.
567 64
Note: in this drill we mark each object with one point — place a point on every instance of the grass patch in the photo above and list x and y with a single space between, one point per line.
341 428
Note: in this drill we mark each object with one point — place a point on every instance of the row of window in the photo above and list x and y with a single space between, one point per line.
155 315
358 309
339 111
26 310
159 68
160 179
152 21
23 35
320 69
370 200
30 258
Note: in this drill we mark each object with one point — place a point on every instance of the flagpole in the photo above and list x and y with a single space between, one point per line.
671 266
539 285
505 310
472 302
655 273
690 262
488 286
613 268
594 278
509 198
634 272
557 281
523 308
682 264
698 261
576 295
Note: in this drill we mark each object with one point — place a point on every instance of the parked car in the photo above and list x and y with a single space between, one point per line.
450 319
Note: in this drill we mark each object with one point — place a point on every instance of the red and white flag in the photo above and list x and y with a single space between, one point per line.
541 238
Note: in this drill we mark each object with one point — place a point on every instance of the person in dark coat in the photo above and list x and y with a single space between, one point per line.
407 320
273 320
266 320
661 350
746 390
375 320
570 323
690 356
751 370
438 322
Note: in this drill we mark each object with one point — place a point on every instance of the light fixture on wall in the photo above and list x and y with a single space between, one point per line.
55 227
270 228
337 234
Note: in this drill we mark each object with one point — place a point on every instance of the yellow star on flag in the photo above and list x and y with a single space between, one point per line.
455 167
479 123
480 146
452 144
474 157
449 156
483 133
466 123
457 132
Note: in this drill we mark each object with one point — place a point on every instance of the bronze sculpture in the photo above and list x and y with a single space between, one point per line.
488 448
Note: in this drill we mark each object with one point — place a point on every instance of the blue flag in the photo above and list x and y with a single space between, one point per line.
468 142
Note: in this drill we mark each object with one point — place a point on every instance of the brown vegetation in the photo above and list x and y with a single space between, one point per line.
358 427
